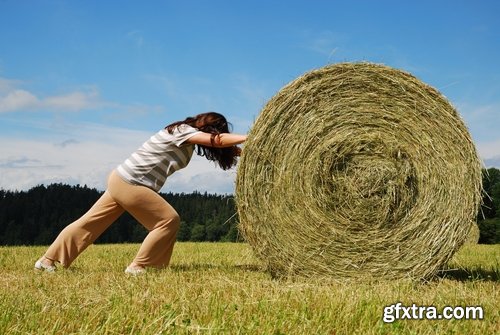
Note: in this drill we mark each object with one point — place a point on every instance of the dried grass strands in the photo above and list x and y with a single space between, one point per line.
358 170
474 234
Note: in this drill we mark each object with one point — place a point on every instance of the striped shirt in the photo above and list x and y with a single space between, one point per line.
158 158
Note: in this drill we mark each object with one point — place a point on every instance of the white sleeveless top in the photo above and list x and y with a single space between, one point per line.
158 158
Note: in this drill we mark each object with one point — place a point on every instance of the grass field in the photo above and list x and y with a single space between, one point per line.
220 288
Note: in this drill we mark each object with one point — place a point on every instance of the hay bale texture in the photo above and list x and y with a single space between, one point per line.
358 170
474 235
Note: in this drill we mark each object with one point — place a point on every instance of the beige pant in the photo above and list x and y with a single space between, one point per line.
144 204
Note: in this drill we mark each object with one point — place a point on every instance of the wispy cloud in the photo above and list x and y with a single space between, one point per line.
325 42
73 101
482 120
482 112
201 175
67 142
243 95
7 85
137 37
254 93
21 162
193 93
18 100
492 162
489 149
13 99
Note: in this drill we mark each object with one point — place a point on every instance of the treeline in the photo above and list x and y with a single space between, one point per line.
489 215
36 216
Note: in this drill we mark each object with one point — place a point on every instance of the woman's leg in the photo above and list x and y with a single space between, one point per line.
77 236
155 214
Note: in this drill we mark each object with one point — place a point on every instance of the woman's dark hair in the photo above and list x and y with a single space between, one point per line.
215 124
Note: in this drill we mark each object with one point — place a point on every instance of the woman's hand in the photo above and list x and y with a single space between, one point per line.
237 151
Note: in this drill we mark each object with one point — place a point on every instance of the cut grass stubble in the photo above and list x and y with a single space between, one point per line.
220 288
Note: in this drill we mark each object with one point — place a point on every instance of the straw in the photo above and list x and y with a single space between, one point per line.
358 170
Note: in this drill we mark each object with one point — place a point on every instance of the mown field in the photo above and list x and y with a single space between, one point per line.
220 288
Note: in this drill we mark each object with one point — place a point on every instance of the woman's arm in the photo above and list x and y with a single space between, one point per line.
223 140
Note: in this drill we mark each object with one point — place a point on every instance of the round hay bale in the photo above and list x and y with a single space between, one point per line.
357 170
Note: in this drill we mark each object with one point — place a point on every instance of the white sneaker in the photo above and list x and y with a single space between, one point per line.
42 267
135 271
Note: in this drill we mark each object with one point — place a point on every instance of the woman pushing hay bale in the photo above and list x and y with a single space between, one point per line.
358 170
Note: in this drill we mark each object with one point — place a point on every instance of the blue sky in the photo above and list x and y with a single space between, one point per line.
84 83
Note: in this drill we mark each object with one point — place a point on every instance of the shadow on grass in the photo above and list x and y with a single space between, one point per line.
475 274
206 266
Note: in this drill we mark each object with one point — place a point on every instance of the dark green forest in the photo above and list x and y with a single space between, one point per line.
36 216
489 215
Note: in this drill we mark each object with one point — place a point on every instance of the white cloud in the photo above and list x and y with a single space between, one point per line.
7 85
18 100
201 175
73 101
492 162
482 121
490 149
42 161
14 99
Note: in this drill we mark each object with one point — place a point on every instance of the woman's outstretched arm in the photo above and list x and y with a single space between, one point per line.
223 140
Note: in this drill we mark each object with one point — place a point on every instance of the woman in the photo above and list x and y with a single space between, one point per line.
134 185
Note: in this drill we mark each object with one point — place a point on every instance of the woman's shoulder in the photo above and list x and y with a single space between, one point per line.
177 130
179 134
185 128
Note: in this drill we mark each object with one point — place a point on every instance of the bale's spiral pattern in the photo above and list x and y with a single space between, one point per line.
355 170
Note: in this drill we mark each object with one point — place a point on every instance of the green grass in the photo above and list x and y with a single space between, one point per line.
220 288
